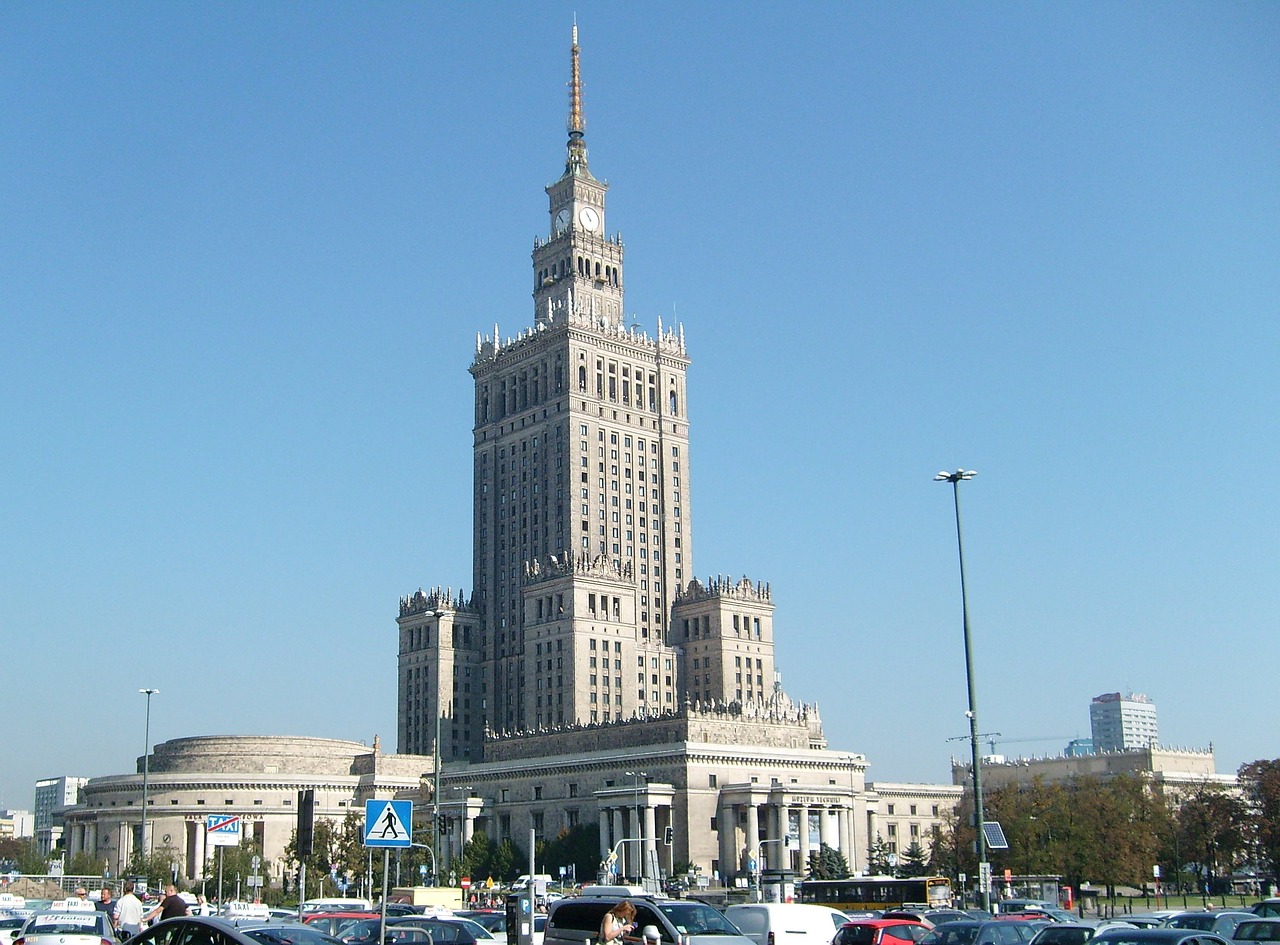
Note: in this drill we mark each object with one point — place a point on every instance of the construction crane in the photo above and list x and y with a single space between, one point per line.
996 739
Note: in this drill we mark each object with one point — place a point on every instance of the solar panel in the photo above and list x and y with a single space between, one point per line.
994 835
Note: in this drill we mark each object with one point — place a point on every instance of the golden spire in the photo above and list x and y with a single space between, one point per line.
577 124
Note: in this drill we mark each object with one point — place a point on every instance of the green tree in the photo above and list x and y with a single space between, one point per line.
476 855
1213 829
85 864
1260 781
19 853
827 863
915 862
877 859
158 867
577 846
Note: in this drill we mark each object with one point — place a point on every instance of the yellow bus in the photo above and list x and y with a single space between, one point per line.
866 893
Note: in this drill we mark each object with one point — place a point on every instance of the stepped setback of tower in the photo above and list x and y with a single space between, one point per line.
584 608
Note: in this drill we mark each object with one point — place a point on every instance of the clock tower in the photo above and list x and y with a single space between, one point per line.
577 268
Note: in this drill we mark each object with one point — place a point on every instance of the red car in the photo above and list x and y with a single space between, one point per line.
880 932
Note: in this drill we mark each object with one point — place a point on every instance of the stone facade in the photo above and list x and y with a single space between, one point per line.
255 777
590 677
1170 770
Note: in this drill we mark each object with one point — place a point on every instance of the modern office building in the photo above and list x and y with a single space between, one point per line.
53 797
1123 723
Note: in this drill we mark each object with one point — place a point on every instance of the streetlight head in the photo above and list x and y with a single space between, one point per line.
966 473
149 692
942 477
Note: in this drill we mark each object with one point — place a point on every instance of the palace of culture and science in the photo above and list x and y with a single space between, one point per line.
590 678
588 648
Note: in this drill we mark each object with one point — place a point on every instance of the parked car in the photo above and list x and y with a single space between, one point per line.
284 933
67 922
974 932
881 932
1163 936
1257 930
1219 923
495 922
939 916
334 922
679 921
785 923
446 931
1268 908
1025 905
1142 920
1061 933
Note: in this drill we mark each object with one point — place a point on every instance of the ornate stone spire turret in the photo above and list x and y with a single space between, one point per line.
577 147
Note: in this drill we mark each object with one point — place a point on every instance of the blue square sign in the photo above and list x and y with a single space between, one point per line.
388 824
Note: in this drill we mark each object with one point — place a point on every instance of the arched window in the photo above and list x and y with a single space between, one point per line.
673 404
582 377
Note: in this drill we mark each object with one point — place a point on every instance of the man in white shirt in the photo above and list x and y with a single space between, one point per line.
129 911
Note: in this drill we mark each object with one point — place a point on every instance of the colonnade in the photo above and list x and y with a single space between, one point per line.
632 824
777 830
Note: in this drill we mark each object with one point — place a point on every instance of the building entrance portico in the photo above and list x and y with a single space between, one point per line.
776 827
636 817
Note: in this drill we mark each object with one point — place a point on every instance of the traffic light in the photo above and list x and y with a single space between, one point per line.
669 837
306 823
442 824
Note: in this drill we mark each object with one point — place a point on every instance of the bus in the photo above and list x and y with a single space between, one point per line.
865 893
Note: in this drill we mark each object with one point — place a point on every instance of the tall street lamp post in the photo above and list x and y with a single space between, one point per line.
146 767
984 867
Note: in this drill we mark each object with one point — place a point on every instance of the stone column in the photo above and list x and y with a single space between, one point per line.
650 841
773 852
804 837
849 839
842 833
727 828
753 833
618 834
605 845
824 827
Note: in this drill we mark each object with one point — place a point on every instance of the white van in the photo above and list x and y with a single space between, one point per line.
786 923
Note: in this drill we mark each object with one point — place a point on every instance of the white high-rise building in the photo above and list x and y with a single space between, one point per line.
53 796
1122 723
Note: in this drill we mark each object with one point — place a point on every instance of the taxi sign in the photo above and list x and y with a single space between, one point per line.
74 904
222 830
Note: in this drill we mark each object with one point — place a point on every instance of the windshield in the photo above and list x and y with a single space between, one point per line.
952 933
57 923
856 935
693 918
1200 921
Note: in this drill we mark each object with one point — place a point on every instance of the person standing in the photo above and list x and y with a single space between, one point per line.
170 907
129 911
617 922
106 903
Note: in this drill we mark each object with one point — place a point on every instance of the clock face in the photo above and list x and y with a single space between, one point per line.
562 220
588 217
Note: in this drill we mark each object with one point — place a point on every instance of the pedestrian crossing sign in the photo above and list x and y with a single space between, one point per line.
388 823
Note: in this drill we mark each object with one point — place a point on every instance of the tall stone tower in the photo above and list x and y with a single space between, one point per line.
582 534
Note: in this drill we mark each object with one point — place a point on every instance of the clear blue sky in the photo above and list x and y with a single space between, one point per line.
245 249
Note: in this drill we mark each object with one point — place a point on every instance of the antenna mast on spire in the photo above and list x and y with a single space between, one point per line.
577 124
